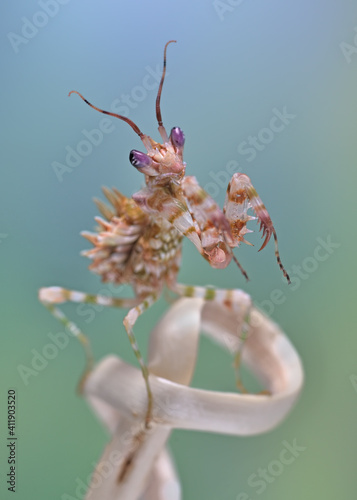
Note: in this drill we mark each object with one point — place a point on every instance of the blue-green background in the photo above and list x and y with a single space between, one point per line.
224 79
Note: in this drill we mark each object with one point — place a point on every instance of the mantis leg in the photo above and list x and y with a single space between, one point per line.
232 299
129 322
57 295
242 196
79 335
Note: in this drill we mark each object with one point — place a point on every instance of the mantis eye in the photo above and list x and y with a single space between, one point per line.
177 138
139 159
143 162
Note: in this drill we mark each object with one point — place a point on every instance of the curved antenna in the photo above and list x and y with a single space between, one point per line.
158 110
124 118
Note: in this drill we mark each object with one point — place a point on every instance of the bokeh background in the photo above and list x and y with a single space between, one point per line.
234 64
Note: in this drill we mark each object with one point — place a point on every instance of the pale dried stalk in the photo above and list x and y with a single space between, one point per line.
139 464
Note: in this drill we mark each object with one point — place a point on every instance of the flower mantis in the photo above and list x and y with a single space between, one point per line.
139 239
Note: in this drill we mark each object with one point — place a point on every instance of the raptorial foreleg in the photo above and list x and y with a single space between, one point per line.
241 196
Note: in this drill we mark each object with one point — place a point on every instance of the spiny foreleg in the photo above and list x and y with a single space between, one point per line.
241 196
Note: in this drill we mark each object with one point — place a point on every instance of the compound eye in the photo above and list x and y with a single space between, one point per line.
177 138
139 159
143 162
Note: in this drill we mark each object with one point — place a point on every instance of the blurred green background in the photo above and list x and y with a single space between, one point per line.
234 64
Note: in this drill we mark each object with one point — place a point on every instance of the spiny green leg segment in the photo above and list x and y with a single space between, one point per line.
206 293
78 334
238 356
55 295
129 322
231 299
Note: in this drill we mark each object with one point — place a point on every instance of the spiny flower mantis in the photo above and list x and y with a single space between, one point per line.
139 240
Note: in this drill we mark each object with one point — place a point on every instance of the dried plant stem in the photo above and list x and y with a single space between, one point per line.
116 392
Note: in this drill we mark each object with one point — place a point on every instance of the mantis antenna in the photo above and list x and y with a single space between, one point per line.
158 110
124 118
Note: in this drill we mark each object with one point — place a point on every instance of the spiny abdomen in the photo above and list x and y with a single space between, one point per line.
116 237
156 257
